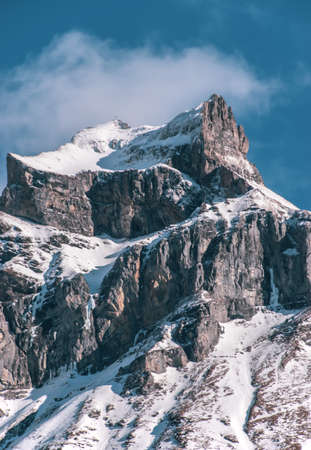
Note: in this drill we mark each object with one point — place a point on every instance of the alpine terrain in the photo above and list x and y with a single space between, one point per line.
154 294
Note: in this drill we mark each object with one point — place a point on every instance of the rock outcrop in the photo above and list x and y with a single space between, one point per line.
63 330
205 143
220 143
249 264
132 203
48 198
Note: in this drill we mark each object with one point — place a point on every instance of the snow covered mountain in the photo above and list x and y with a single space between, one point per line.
154 294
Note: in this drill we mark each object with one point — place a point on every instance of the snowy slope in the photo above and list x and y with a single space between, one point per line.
205 405
92 256
86 149
113 146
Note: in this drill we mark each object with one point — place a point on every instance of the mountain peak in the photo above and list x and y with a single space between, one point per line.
204 143
218 115
156 256
117 146
218 141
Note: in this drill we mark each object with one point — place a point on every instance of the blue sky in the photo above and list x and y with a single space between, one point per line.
67 65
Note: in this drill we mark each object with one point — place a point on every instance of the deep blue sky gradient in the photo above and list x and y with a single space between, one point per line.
273 36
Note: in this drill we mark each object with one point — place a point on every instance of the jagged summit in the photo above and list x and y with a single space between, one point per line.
116 146
62 188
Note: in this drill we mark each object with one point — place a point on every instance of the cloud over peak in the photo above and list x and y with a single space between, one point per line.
78 81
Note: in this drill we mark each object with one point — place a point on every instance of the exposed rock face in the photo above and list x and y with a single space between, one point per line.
130 203
221 143
45 324
188 334
245 266
48 198
198 330
35 344
225 182
220 129
133 203
122 204
64 332
17 293
207 250
13 365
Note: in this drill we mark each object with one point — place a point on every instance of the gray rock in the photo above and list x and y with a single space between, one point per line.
48 198
198 331
221 143
136 202
64 331
235 266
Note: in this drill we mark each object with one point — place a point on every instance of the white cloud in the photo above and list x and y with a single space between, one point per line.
78 81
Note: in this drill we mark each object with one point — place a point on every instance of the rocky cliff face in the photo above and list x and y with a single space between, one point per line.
220 143
48 198
161 260
137 202
195 143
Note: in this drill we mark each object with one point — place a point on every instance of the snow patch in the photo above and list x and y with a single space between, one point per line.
89 308
274 296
